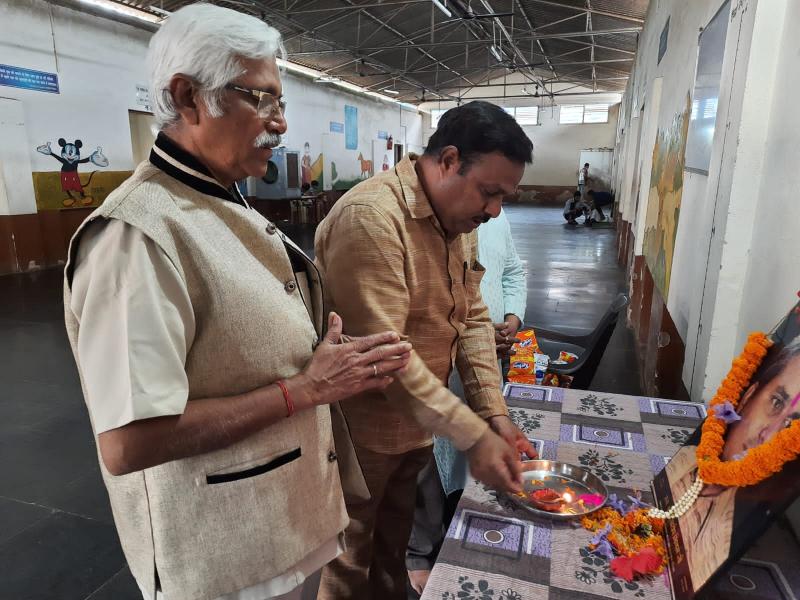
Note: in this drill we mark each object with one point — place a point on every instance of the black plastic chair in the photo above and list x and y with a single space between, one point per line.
589 347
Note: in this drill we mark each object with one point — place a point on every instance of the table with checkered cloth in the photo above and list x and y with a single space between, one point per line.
494 551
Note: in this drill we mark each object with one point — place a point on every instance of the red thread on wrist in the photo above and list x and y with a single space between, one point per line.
287 397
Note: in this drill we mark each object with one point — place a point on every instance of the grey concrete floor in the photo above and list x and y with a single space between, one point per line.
57 537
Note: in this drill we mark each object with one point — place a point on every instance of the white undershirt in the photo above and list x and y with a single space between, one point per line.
136 326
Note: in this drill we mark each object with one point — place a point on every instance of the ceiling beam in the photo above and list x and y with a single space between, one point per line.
294 24
605 13
538 42
355 7
417 47
546 36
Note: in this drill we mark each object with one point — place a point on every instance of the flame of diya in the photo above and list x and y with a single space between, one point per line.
547 499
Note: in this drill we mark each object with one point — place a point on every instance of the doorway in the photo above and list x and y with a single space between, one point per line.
143 134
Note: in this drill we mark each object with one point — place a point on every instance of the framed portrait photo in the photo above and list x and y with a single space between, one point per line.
725 522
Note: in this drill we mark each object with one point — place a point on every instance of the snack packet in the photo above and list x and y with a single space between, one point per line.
527 346
521 370
567 357
540 362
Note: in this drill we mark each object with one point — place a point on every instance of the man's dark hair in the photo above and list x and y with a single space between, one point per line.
769 371
478 128
576 194
585 164
314 183
305 187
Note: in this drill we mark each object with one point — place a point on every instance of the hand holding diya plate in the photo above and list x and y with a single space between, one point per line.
559 490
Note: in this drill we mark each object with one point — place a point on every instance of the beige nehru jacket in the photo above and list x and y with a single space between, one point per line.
388 265
227 520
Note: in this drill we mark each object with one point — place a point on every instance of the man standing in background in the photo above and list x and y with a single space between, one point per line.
583 178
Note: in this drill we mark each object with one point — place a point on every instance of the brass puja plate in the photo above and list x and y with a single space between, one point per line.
576 491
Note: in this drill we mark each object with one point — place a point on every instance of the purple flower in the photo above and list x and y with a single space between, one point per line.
616 504
605 549
600 534
726 412
637 503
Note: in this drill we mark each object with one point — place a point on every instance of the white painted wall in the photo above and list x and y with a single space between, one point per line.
772 276
311 107
99 63
735 265
557 148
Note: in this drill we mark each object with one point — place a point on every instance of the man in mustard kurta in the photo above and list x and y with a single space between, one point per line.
399 251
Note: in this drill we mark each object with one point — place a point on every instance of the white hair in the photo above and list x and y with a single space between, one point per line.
207 43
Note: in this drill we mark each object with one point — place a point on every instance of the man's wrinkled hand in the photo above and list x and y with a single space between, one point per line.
344 366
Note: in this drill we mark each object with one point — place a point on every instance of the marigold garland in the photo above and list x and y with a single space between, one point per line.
760 462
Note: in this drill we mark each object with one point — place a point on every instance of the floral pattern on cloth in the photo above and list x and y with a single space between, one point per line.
596 570
535 559
460 583
605 466
479 591
599 406
527 420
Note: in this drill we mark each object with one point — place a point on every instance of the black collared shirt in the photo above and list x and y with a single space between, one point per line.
177 163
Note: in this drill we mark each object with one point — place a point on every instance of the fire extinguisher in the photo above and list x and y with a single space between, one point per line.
389 143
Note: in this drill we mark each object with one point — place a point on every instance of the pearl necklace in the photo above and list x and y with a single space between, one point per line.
682 506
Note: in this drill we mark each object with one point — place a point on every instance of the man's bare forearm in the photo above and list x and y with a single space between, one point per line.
206 425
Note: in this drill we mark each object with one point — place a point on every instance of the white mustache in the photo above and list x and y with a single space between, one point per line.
267 140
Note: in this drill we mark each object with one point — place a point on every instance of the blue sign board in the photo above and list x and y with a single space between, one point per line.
337 127
382 135
350 127
28 79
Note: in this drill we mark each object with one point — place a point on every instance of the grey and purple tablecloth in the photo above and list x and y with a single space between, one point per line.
494 551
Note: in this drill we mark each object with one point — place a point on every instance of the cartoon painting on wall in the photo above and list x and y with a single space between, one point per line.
311 170
70 158
64 188
664 201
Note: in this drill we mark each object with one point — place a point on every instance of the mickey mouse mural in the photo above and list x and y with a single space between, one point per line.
70 158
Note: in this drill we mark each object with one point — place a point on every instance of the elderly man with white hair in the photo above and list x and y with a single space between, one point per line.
196 327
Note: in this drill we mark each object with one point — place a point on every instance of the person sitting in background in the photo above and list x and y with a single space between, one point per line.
305 190
598 200
574 208
440 483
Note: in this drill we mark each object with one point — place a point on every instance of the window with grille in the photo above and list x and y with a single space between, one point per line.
527 115
595 113
524 115
570 114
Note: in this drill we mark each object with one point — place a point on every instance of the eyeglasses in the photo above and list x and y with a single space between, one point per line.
269 105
